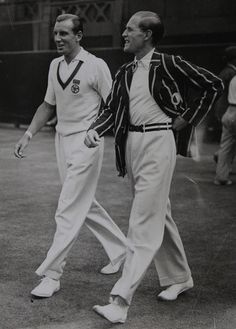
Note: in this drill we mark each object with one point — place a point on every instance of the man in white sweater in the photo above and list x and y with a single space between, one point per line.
77 83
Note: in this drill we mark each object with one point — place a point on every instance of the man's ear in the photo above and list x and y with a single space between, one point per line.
79 35
148 34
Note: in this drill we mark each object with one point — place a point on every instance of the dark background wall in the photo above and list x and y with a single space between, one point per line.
199 30
192 21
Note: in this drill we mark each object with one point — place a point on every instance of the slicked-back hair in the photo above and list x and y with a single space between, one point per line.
151 21
77 22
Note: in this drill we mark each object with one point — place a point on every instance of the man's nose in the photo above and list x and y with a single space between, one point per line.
57 37
124 34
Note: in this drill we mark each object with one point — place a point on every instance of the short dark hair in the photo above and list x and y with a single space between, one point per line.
76 20
151 21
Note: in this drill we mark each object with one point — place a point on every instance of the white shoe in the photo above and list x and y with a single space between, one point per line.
172 292
111 269
46 288
112 312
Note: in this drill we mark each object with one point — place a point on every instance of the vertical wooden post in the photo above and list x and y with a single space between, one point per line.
117 14
45 28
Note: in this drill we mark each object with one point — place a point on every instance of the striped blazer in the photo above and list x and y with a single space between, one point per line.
178 87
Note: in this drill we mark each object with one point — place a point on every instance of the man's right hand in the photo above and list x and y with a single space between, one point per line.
21 146
92 138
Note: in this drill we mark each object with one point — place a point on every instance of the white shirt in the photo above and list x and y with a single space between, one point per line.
78 103
232 91
143 108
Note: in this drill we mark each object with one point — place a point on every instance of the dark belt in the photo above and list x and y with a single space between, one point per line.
151 127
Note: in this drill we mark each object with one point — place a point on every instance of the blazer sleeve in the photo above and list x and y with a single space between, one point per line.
106 119
203 88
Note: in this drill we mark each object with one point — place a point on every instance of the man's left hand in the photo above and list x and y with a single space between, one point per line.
92 138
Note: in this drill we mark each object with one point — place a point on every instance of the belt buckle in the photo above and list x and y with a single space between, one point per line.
167 126
143 128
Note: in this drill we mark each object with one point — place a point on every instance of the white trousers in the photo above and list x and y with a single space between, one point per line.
152 233
79 169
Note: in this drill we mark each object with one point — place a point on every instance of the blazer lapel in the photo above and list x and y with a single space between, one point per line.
126 83
155 74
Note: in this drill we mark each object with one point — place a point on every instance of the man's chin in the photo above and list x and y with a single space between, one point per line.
127 50
60 51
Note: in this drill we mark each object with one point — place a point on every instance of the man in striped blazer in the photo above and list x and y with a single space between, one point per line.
152 97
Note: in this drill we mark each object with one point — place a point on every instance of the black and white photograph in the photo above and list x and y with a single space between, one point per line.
117 164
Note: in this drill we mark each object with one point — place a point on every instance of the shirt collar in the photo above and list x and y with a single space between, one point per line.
145 61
